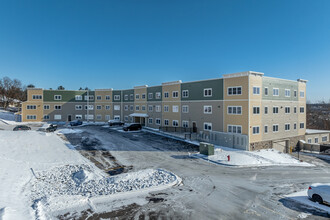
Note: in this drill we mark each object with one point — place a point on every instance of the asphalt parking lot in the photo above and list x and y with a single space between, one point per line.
208 191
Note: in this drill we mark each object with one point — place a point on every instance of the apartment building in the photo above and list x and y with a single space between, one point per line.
248 109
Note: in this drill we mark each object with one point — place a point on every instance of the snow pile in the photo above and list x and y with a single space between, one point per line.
69 131
6 115
269 157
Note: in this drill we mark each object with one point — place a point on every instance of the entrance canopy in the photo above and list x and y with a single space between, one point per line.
139 115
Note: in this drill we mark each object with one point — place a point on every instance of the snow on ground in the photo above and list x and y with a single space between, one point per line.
68 131
302 198
6 115
41 177
268 157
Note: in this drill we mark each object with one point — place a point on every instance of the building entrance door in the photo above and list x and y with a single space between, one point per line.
194 127
69 118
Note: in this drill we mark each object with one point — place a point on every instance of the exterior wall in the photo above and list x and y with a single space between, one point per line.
106 114
255 101
116 103
302 103
38 112
319 136
237 100
171 101
140 90
128 101
154 101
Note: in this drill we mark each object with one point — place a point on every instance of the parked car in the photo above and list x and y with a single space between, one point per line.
48 128
21 128
319 193
132 127
76 122
115 122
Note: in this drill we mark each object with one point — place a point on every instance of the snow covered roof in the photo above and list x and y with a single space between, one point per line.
314 131
139 115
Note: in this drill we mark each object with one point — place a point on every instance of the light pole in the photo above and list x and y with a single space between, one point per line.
87 105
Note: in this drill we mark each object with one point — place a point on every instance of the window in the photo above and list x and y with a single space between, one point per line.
46 107
150 108
143 107
266 129
57 107
316 140
275 128
234 110
309 140
126 97
78 97
107 107
126 118
98 117
107 117
185 109
166 108
295 93
287 110
208 92
116 117
143 96
57 117
287 92
256 129
234 90
165 94
36 96
275 110
295 110
89 97
31 117
131 96
302 109
175 94
175 108
324 138
175 123
99 107
90 107
234 129
295 126
149 120
166 122
266 90
78 116
302 125
302 94
116 107
207 109
31 107
46 117
126 108
158 94
78 107
266 110
107 97
98 97
256 90
137 96
57 97
158 108
185 124
256 110
131 107
185 93
157 121
116 97
137 108
276 92
89 117
207 126
150 95
287 127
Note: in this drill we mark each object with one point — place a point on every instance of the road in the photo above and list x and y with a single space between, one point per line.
208 191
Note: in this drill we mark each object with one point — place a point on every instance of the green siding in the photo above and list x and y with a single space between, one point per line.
196 89
128 92
281 84
67 96
153 90
116 92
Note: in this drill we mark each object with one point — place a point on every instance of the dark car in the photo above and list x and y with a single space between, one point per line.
75 122
51 128
21 128
132 127
115 122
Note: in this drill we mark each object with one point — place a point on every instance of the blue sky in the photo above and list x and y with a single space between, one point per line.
121 44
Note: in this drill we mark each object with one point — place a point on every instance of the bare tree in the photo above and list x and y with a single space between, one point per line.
10 90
